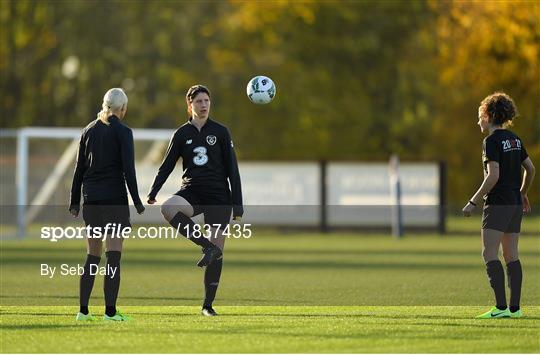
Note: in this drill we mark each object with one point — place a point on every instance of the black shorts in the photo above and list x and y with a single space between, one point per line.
215 204
503 211
111 211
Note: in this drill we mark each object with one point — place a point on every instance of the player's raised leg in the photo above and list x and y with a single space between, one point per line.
178 212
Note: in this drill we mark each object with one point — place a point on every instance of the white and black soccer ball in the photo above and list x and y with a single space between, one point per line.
261 90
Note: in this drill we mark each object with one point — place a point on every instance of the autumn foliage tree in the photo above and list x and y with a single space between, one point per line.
356 80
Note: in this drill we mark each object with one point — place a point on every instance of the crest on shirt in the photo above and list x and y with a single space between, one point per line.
211 140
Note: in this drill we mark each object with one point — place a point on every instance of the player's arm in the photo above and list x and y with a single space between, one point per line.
528 178
491 159
174 150
127 151
80 168
233 174
489 181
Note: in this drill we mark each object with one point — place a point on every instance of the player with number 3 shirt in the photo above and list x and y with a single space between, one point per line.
209 168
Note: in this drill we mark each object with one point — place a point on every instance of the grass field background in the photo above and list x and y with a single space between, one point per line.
280 292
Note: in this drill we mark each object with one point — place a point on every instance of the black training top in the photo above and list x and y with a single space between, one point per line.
507 149
208 159
105 163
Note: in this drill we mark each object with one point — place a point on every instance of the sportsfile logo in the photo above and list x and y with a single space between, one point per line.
113 230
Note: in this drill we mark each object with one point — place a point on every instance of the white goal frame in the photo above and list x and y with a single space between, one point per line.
23 135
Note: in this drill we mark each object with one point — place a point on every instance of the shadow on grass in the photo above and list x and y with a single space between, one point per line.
272 264
359 335
157 298
341 315
173 251
22 313
36 326
500 324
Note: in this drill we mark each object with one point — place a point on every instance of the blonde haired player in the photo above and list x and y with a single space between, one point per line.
105 164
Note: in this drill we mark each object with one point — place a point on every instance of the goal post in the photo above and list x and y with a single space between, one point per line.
395 191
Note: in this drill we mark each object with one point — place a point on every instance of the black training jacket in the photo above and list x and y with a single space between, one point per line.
105 163
208 160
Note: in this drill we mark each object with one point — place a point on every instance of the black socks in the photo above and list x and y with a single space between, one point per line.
212 273
495 274
211 281
86 282
515 277
183 223
112 281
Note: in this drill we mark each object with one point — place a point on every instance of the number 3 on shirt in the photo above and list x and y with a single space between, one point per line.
201 158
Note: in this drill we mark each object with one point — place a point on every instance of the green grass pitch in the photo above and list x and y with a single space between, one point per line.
280 293
274 329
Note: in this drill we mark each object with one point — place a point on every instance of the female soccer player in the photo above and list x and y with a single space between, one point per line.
505 196
208 160
105 163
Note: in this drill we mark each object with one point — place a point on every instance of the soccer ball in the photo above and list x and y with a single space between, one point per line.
261 90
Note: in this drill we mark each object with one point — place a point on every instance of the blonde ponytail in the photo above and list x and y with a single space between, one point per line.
114 100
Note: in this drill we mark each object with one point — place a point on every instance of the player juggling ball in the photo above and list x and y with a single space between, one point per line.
105 164
209 166
504 191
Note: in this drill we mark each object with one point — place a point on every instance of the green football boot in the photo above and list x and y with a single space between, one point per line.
516 314
118 317
494 312
81 317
